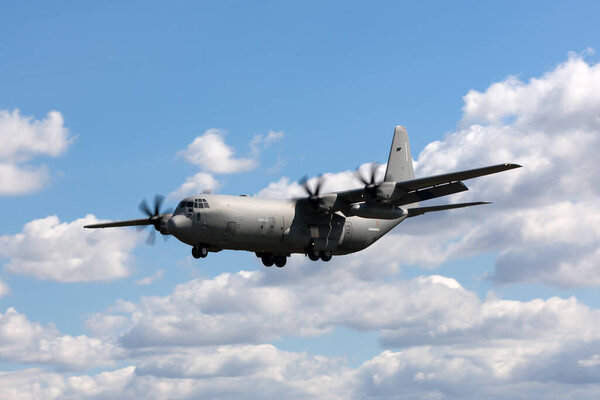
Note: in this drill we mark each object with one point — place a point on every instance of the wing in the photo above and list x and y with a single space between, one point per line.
420 183
420 189
130 222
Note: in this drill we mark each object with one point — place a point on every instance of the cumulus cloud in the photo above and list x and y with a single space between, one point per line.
543 225
210 152
256 307
30 342
61 251
199 183
24 138
247 372
286 189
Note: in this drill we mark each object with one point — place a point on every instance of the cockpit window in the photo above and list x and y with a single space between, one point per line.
189 204
181 205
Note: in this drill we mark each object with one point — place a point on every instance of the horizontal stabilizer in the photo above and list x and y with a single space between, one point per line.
420 183
413 212
131 222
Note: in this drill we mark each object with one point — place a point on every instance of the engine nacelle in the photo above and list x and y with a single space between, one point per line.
379 211
163 224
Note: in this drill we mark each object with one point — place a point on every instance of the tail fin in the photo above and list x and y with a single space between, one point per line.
400 165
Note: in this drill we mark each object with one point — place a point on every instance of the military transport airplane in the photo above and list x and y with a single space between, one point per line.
318 225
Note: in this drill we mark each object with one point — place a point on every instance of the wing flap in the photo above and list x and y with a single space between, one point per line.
431 193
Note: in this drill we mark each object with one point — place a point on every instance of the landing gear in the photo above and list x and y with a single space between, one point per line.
268 260
312 253
326 255
199 251
280 261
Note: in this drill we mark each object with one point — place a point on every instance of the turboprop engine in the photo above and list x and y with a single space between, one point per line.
155 218
379 211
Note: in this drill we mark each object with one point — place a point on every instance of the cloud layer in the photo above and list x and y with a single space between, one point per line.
206 339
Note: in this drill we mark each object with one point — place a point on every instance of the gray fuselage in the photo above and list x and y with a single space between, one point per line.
280 227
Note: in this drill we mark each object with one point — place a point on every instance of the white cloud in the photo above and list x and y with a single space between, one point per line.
255 307
260 142
247 372
30 342
24 138
37 383
4 289
210 152
196 184
150 279
284 189
66 252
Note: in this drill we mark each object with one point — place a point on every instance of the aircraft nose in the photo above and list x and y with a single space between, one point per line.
178 223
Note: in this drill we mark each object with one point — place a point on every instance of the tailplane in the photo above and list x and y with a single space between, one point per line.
399 165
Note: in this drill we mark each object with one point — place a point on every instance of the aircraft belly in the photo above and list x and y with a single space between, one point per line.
365 232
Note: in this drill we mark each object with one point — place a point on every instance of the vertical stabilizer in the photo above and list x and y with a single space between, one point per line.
400 165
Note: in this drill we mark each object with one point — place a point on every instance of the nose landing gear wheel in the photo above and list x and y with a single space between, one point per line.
267 261
326 255
280 261
199 251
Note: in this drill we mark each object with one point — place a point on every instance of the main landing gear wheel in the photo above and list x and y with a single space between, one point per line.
280 261
326 255
312 253
268 261
199 251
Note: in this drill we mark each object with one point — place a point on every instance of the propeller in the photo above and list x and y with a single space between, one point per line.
313 194
154 217
369 182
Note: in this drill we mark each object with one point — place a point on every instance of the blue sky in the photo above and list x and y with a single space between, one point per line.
136 83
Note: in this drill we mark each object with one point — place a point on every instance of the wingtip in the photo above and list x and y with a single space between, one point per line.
513 165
